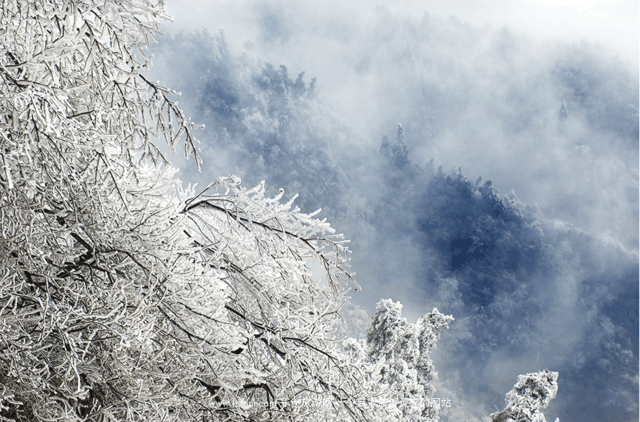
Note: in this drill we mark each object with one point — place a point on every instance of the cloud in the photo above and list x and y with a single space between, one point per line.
545 279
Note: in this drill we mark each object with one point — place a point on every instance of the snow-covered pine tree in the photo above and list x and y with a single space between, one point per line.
531 393
402 349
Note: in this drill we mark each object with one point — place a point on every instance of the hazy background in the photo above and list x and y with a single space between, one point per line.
539 265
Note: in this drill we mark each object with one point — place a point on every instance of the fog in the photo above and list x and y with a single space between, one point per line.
481 156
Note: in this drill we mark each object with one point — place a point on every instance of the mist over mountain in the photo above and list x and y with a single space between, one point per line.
539 266
528 293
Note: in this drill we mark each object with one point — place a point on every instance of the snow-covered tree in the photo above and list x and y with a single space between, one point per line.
124 296
402 350
397 154
529 395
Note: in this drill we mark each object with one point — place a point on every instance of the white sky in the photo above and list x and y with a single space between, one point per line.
611 22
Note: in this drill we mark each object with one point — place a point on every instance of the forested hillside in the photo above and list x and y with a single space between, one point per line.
552 284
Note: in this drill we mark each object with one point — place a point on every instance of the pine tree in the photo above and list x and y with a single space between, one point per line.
402 349
529 395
